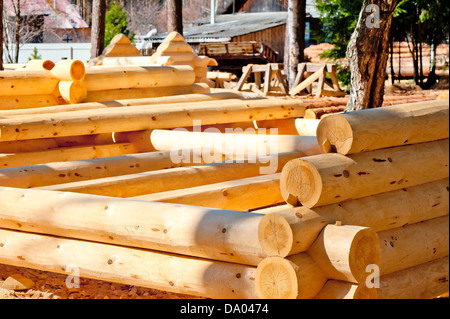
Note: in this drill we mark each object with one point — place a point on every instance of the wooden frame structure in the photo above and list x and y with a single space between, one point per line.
274 80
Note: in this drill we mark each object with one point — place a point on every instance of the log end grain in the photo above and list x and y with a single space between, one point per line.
335 134
276 279
275 235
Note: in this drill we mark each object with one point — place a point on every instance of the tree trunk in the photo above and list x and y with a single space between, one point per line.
368 53
175 16
295 38
98 27
1 35
17 33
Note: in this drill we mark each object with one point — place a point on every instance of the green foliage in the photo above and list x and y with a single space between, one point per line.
116 23
34 55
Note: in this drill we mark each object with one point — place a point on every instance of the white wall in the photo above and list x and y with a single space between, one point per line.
55 51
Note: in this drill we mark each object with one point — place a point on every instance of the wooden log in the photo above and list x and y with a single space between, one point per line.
231 144
242 194
138 77
306 127
296 277
283 127
187 230
14 83
336 289
130 102
39 65
65 154
332 178
172 47
72 91
414 244
122 94
344 252
318 113
121 49
183 177
425 281
69 70
135 60
147 117
15 103
167 272
290 231
88 169
385 127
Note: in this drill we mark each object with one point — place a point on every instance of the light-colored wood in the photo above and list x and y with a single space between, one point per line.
344 252
88 169
336 289
177 178
425 281
147 117
13 103
238 145
384 127
72 91
307 82
282 127
322 112
414 244
69 70
65 154
155 92
145 268
283 233
296 277
242 194
332 178
135 60
188 230
14 83
39 65
130 102
52 143
121 49
172 47
306 127
138 77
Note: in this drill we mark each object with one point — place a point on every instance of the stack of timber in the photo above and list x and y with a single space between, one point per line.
385 170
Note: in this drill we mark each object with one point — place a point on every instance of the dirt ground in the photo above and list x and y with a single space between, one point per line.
52 286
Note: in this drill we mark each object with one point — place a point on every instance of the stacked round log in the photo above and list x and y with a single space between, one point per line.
392 179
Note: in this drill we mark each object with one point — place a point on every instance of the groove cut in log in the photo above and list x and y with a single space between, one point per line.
332 178
157 270
137 118
372 129
344 252
414 244
295 277
182 177
335 289
424 281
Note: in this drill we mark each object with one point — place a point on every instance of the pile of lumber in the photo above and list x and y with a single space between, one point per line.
197 194
386 170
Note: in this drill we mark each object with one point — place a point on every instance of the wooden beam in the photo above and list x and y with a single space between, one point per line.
336 289
332 178
385 127
147 117
146 268
307 82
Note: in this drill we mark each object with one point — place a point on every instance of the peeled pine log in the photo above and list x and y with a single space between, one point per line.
289 231
165 180
88 169
65 154
283 127
336 289
242 195
306 127
138 77
69 70
372 129
130 102
188 230
296 277
72 91
147 117
145 268
318 113
12 103
424 281
344 252
39 65
135 60
136 93
14 83
239 145
414 244
332 178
